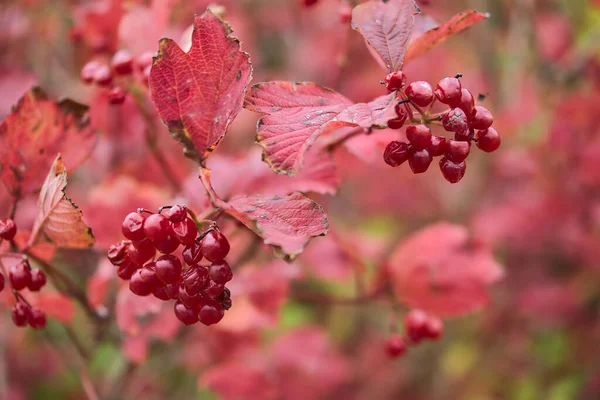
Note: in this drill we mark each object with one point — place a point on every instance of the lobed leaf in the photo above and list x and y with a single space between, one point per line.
435 36
59 220
387 27
199 93
35 132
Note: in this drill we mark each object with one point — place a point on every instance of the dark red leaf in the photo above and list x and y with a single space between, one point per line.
35 132
387 28
199 93
433 37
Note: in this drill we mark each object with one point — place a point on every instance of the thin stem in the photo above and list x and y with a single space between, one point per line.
212 195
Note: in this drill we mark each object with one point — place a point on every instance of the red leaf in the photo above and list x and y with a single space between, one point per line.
250 382
35 132
59 220
299 113
433 37
287 223
440 272
199 93
387 28
55 305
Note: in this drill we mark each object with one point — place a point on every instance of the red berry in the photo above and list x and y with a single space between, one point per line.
434 329
89 71
122 62
117 95
126 269
464 136
309 3
448 91
396 123
190 301
453 172
133 226
117 253
168 245
195 280
38 280
140 252
186 315
103 75
168 268
488 140
138 285
19 276
467 102
37 318
419 161
482 118
437 147
457 151
225 299
176 213
8 229
172 290
215 246
161 293
20 314
214 289
221 272
420 93
149 276
395 346
192 254
211 312
401 111
419 136
157 228
396 153
415 323
2 282
456 120
185 231
395 81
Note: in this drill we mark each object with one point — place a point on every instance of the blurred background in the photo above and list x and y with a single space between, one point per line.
534 204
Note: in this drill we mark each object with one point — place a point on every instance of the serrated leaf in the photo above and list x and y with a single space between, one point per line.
199 93
387 27
435 36
59 220
35 132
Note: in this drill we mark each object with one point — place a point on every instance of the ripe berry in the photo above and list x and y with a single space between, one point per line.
138 286
8 229
161 293
419 161
448 91
172 290
133 226
434 329
126 269
117 253
215 246
192 254
457 151
396 123
186 315
467 102
456 120
195 280
176 213
190 301
89 71
214 289
168 268
19 276
2 282
122 62
396 153
148 275
419 136
488 140
185 231
420 93
20 314
103 75
415 323
117 95
157 228
38 280
482 118
437 147
168 245
221 272
395 81
211 313
140 252
395 346
464 136
453 172
37 318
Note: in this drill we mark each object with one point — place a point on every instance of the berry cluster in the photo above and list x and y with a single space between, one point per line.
22 276
122 68
468 122
418 326
199 288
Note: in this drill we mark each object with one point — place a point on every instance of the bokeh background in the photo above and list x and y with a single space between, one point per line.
535 203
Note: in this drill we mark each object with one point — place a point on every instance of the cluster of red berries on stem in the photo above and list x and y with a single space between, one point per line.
21 276
113 76
468 122
418 326
197 284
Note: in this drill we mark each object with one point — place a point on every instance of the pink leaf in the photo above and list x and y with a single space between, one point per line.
35 132
59 221
438 270
387 27
433 37
250 382
199 93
